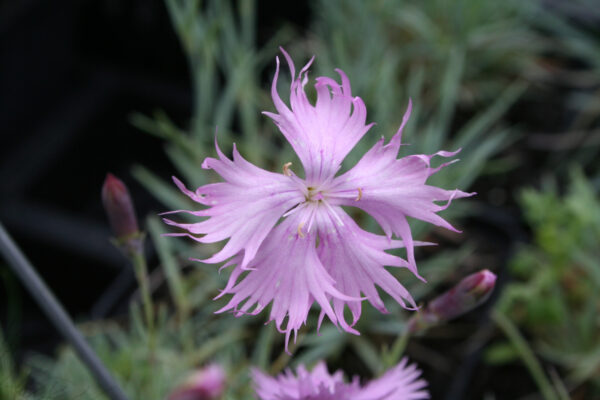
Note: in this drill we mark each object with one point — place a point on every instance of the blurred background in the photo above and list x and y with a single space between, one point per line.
137 88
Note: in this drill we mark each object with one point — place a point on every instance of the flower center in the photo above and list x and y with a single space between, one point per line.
315 201
314 195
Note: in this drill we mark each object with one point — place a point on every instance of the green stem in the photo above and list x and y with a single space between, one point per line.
141 272
529 359
398 347
284 358
171 269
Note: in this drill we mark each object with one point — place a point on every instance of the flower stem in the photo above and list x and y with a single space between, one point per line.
524 350
141 272
398 348
284 358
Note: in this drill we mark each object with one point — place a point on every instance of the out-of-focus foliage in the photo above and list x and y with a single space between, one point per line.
149 363
145 373
226 67
12 382
574 24
489 43
555 294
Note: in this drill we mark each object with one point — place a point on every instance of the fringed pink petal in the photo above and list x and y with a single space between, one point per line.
321 134
400 382
356 260
392 189
242 209
287 274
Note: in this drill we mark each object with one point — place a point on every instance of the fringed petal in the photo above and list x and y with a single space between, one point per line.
321 134
392 189
242 209
287 273
355 259
400 382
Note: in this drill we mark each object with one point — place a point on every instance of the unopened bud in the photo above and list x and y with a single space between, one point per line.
119 208
462 298
207 383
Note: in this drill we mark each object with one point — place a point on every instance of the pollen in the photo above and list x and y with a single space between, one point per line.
286 169
359 195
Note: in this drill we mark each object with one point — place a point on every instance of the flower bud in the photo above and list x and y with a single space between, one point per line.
119 208
462 298
207 383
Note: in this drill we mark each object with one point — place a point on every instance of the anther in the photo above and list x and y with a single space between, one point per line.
359 195
300 233
286 169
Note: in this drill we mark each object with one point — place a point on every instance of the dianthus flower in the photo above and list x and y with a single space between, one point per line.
291 237
399 383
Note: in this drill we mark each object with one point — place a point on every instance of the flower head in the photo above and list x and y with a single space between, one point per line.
290 240
401 382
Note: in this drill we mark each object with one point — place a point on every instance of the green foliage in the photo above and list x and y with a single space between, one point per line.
469 47
150 363
12 382
226 68
575 62
556 292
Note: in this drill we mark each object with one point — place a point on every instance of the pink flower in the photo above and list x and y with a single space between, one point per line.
290 240
399 383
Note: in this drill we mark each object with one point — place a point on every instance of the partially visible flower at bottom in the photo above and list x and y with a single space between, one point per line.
207 383
399 383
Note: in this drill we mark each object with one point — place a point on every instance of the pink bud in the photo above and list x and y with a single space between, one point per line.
468 294
207 383
119 208
462 298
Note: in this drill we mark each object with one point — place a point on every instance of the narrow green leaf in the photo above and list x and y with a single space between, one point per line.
169 265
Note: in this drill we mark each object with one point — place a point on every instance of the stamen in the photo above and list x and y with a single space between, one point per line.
359 195
300 225
286 169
